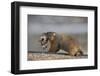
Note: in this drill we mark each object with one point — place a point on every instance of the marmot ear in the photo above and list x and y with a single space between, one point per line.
52 37
54 34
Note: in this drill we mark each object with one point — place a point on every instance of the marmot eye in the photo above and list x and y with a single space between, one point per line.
42 39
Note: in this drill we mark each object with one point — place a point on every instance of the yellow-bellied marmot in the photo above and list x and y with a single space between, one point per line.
54 42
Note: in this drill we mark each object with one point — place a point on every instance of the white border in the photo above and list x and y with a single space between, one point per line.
26 65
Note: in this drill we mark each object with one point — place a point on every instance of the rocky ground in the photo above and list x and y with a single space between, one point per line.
48 56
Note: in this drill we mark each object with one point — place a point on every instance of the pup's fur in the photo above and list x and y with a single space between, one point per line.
54 42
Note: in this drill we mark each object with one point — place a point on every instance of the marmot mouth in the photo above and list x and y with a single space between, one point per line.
46 46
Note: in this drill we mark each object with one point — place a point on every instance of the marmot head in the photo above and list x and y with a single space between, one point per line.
45 38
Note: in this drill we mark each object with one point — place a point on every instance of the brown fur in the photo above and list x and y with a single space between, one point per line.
63 42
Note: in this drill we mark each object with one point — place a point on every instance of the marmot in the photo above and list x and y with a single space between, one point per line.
54 42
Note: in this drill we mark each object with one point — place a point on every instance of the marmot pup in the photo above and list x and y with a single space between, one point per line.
54 42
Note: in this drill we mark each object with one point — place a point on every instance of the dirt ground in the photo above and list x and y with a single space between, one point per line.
48 56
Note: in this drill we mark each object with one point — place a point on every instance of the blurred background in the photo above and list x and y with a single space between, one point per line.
74 26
